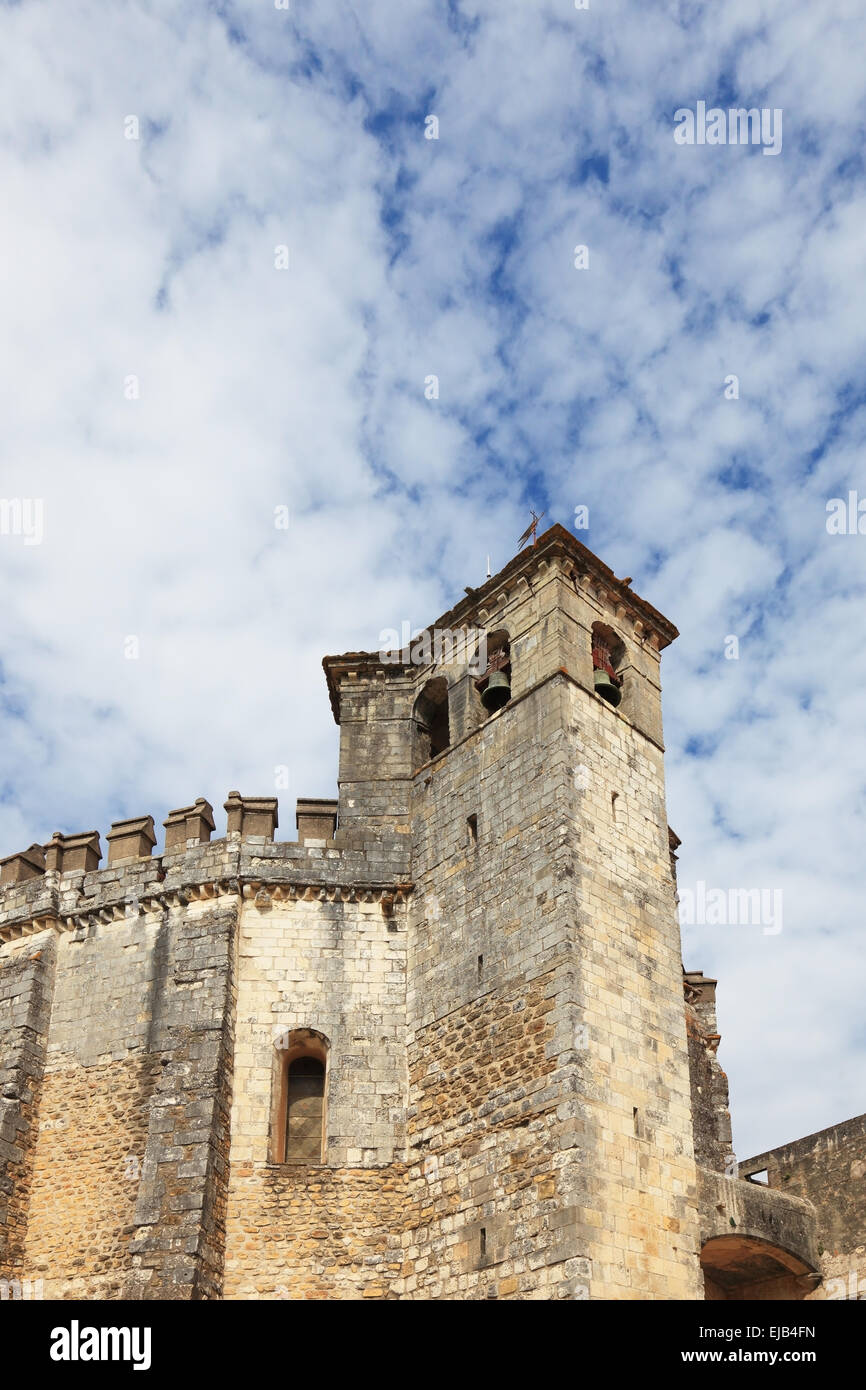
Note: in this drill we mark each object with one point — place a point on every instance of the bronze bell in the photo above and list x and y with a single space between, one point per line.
606 688
497 691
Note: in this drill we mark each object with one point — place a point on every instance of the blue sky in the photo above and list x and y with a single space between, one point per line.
259 388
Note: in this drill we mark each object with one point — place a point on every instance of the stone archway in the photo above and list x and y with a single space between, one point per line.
744 1267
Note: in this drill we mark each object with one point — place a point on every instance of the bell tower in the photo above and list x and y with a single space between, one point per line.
549 1133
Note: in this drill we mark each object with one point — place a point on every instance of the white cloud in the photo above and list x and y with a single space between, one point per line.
304 387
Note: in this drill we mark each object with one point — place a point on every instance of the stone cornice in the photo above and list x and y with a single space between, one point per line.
356 663
262 893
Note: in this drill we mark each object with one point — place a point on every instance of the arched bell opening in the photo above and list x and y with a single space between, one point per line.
494 685
431 733
608 654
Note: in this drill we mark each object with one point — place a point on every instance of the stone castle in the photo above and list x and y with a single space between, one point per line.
440 1047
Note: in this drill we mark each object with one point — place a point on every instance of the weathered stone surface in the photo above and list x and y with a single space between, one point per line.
711 1120
756 1243
28 863
188 825
25 1001
829 1170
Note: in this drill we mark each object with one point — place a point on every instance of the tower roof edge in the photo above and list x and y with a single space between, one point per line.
556 541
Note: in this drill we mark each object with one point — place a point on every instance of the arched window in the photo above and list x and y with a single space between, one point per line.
299 1097
431 732
305 1110
607 654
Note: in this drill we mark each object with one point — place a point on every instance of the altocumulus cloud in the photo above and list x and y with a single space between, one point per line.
165 387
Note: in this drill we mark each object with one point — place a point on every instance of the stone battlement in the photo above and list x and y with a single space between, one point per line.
60 883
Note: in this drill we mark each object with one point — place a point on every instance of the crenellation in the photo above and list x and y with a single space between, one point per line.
316 822
73 853
26 864
189 825
130 839
251 817
72 882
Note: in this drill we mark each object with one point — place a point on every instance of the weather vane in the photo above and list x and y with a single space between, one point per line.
531 530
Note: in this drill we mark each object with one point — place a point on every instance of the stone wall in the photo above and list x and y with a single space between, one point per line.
829 1169
711 1118
120 1064
131 1148
543 947
757 1243
635 1067
337 967
25 995
317 1232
